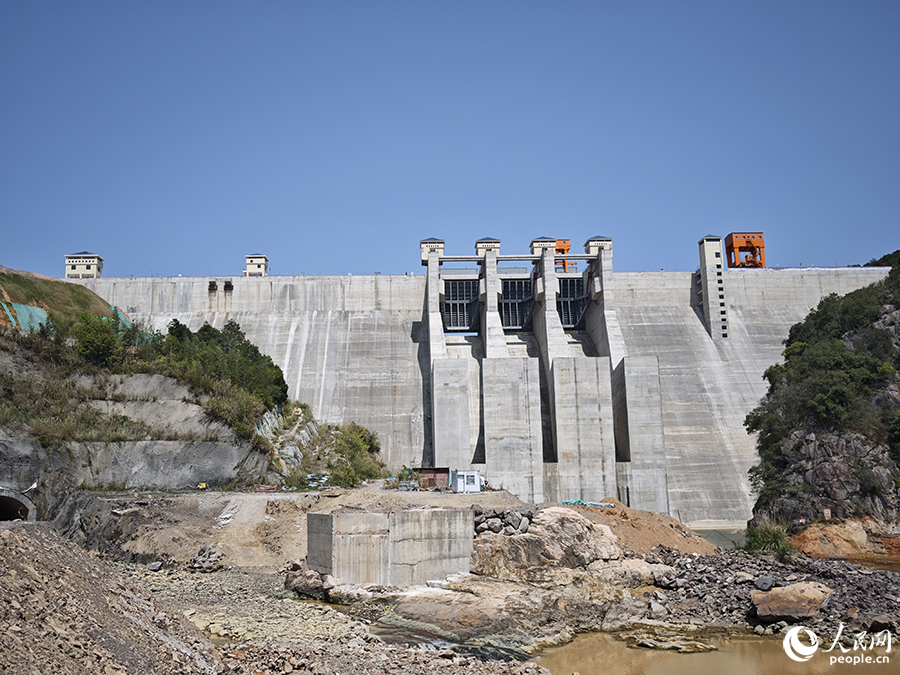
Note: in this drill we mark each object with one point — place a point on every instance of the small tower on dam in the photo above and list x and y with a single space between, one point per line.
711 287
83 265
257 265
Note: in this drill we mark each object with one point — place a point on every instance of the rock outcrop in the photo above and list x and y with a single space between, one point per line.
839 474
855 539
556 538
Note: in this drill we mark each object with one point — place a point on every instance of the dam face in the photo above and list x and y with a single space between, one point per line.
556 384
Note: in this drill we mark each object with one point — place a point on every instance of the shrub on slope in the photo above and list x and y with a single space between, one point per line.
839 376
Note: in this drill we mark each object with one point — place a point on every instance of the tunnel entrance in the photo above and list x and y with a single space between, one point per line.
15 506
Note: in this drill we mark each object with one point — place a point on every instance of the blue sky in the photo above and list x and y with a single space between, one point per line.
174 138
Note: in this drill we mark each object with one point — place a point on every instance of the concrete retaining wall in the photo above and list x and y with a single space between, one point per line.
401 548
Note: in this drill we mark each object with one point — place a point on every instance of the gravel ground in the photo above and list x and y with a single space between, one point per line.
715 590
243 605
365 660
66 612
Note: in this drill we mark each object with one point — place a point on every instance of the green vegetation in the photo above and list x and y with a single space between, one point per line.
296 414
889 260
348 453
55 411
210 357
835 362
241 382
357 459
769 537
232 380
59 298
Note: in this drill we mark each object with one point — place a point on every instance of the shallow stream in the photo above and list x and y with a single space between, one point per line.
602 654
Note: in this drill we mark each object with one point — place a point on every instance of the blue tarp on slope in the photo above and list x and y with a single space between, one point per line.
31 318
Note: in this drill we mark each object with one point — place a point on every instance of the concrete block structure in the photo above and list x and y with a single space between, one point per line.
554 385
83 265
257 265
397 548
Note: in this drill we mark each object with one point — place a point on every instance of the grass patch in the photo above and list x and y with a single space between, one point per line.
59 297
769 537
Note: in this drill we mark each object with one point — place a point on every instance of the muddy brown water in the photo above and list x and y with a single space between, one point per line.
602 654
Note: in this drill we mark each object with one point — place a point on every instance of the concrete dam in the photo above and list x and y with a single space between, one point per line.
556 384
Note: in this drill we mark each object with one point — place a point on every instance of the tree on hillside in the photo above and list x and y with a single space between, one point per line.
840 367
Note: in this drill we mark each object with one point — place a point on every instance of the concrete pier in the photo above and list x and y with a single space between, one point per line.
398 548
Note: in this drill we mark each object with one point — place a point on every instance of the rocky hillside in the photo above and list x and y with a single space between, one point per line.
829 426
843 474
60 606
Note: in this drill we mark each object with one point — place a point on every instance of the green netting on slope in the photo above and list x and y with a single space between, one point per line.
30 318
120 315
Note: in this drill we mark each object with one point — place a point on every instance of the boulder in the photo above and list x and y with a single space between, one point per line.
306 583
791 603
494 524
764 583
556 538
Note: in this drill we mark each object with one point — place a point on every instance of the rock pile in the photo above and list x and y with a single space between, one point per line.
208 559
307 583
505 521
64 611
729 588
366 660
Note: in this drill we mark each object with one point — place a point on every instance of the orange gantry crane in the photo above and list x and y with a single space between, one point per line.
745 249
562 247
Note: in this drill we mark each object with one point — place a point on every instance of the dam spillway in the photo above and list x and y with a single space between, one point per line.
632 385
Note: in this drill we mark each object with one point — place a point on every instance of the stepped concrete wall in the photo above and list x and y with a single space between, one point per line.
672 392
